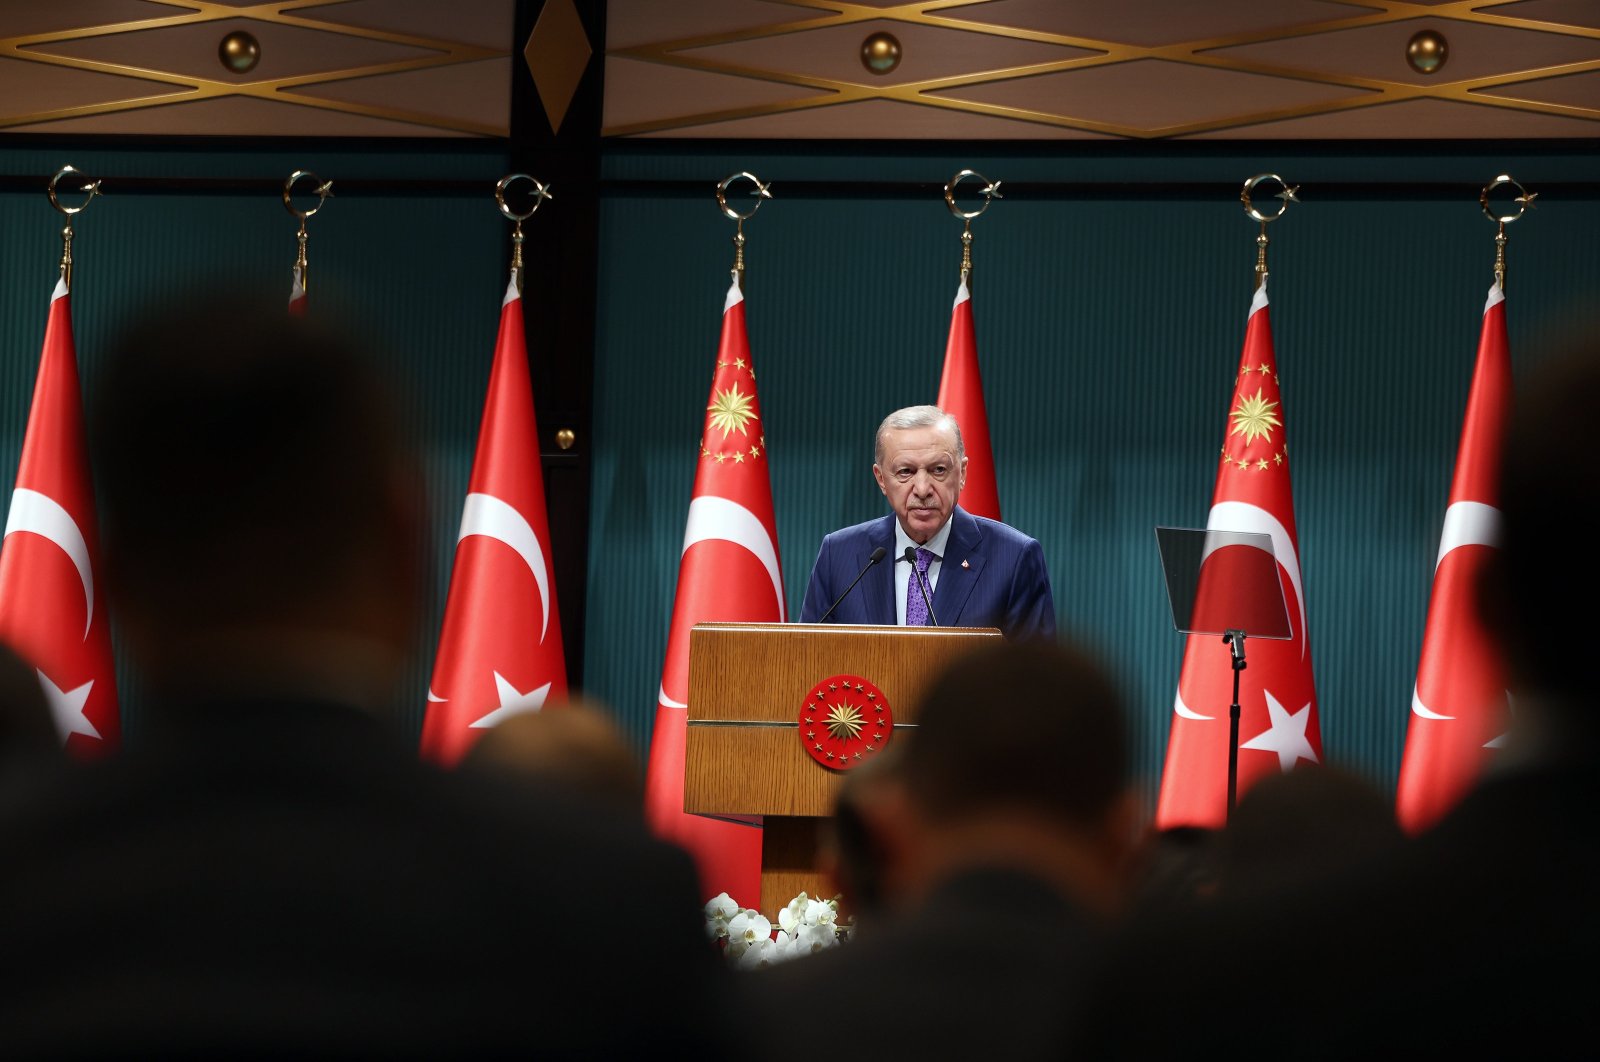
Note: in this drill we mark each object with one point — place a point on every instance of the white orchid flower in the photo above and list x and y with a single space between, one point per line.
760 954
747 927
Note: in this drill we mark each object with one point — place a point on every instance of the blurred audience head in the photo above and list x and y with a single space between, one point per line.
254 492
1544 580
574 745
1174 869
1018 761
1302 827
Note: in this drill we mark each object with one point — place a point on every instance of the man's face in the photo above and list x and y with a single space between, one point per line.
922 477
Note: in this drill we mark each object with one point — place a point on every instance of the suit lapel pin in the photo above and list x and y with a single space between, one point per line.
964 564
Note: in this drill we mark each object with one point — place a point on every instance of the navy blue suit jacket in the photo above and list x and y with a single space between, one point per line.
991 575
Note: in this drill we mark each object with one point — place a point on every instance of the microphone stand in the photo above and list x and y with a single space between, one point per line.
1235 640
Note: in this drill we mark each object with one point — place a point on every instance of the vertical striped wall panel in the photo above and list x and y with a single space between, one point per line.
1108 333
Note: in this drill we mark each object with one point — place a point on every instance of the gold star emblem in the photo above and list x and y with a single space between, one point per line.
844 722
832 687
819 695
755 451
739 362
721 457
1242 464
1264 369
811 734
1255 417
873 697
871 749
738 457
1277 458
731 410
1261 464
877 737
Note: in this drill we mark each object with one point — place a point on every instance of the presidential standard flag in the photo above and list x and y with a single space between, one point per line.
52 609
500 651
961 395
1458 706
728 570
1278 722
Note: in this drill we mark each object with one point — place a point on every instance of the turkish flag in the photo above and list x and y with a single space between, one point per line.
729 570
1458 706
52 610
500 651
297 295
1278 726
961 395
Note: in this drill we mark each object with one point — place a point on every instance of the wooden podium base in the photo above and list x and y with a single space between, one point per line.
790 847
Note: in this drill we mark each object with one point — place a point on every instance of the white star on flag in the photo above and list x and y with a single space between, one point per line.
513 702
66 706
1286 736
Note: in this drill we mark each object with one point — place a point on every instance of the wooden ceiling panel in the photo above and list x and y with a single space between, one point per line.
1139 69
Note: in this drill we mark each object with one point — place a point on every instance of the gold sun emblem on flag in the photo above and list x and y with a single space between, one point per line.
1254 418
844 722
731 410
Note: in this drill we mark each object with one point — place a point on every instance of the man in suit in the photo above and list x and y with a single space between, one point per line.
268 869
975 572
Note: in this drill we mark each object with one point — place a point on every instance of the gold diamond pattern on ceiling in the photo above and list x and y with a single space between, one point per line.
1135 69
326 68
557 53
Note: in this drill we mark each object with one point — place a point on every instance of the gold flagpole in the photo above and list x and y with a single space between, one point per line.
324 192
90 190
1288 194
990 192
541 192
1524 202
761 192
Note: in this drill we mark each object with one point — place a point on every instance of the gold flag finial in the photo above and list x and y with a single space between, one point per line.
990 192
90 189
1524 201
323 191
1288 193
541 192
761 193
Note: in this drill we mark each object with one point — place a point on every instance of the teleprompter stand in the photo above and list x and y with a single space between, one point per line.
1225 583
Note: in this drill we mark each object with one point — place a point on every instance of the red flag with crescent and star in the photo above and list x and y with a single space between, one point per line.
1458 706
52 608
961 395
729 570
1278 726
500 650
297 295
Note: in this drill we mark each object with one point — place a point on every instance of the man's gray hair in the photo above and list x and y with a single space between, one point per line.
916 417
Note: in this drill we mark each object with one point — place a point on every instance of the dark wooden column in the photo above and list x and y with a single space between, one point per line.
562 259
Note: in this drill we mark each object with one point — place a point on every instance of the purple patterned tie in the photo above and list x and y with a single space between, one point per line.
916 606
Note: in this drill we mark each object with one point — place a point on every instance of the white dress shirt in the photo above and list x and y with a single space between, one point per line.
902 570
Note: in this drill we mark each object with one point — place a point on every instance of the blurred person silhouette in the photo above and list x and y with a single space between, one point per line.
270 870
27 731
1475 937
850 854
1174 869
574 743
1002 839
1301 827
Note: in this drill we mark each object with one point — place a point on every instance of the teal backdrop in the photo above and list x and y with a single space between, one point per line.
1108 331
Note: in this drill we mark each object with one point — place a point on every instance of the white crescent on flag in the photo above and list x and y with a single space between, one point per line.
1242 516
1184 710
714 518
42 515
1468 523
490 517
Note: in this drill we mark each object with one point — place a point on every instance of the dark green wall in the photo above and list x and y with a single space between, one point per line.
1108 331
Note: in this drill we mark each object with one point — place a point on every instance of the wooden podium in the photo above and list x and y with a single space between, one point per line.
747 682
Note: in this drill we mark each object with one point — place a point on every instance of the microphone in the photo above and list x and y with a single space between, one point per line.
911 559
877 555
